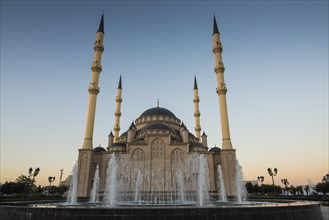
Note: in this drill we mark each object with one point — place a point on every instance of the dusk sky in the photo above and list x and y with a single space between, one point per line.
276 70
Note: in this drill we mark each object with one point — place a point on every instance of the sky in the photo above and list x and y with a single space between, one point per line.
276 70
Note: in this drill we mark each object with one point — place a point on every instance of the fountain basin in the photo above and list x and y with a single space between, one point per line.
255 211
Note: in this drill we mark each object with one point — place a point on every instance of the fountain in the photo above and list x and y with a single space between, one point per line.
111 184
128 183
72 193
136 198
241 193
138 186
180 182
311 187
95 188
203 181
221 186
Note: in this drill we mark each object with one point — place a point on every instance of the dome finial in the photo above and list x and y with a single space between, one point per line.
158 103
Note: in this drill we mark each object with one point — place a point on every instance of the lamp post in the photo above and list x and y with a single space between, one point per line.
60 178
33 175
50 180
285 183
260 182
272 174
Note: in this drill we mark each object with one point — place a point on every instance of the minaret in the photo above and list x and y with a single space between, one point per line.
117 114
196 101
221 88
93 88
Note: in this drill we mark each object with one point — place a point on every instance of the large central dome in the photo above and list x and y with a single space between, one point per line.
158 111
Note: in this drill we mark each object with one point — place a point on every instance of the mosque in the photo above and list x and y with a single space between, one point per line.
157 143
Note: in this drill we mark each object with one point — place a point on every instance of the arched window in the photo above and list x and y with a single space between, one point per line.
177 155
137 155
157 148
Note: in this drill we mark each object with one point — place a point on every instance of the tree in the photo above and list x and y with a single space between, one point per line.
322 187
293 189
257 189
25 183
9 188
249 187
22 179
39 189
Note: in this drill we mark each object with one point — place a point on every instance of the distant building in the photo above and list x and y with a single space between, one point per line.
67 181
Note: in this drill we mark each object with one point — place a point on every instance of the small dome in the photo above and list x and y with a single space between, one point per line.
157 126
124 134
99 149
215 149
190 135
158 111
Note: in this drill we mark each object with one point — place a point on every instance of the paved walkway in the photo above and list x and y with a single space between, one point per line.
325 212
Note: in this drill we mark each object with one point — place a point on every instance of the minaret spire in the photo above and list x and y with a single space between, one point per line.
117 114
215 28
120 84
197 114
93 88
221 88
101 25
195 83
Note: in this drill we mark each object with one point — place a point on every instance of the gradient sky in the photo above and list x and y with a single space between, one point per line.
276 59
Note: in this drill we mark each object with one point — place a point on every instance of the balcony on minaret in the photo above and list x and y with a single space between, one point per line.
96 67
220 67
196 100
218 47
117 99
116 127
93 88
197 114
98 46
221 89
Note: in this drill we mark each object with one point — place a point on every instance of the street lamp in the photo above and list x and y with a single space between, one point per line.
60 177
33 175
272 174
285 183
50 180
260 182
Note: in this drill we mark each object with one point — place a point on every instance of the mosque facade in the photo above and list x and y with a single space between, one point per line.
157 145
